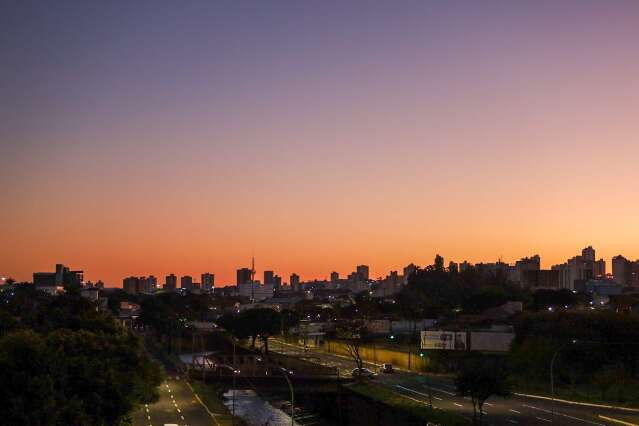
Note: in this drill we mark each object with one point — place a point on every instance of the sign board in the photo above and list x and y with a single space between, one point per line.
444 340
491 341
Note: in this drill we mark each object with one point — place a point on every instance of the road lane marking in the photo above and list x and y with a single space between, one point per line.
437 398
488 404
557 413
182 417
621 422
459 405
543 420
587 404
178 410
512 421
514 411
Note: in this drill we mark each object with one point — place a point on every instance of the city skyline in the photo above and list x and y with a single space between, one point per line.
163 139
245 272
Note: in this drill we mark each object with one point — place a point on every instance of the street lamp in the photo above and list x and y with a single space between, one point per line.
552 374
285 373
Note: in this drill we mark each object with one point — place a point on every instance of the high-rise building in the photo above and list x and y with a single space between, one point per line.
170 282
334 277
269 277
277 282
131 285
580 269
588 254
186 282
362 272
208 281
622 270
244 276
295 282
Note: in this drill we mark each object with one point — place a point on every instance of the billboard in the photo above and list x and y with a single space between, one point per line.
491 341
444 340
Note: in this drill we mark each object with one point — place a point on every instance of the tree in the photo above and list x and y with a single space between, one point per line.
604 378
254 324
353 335
64 363
480 378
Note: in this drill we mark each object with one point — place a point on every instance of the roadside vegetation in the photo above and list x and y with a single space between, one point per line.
416 409
64 363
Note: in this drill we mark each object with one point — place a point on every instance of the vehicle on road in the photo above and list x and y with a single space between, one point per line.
363 372
386 368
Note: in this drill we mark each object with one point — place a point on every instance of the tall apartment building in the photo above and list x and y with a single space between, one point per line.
208 281
269 278
295 282
170 282
362 272
580 269
186 282
244 276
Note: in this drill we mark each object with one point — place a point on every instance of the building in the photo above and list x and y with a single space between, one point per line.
362 272
334 277
170 283
269 278
244 275
524 265
54 282
208 281
538 279
255 292
186 282
131 285
148 284
580 269
277 282
295 282
408 271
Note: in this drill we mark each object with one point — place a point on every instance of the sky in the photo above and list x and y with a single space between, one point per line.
159 137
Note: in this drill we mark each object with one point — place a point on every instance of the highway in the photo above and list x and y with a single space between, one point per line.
517 410
178 405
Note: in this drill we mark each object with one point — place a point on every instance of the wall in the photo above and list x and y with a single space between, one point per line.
399 359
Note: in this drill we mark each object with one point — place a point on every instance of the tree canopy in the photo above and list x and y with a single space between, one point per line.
64 363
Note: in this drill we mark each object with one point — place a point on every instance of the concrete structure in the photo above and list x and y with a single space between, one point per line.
580 268
208 281
362 272
334 277
625 272
269 277
170 283
244 275
186 282
255 292
131 285
295 282
54 282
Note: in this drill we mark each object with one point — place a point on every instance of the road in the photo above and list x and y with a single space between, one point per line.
517 410
177 405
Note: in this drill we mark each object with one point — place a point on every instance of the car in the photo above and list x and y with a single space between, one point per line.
363 372
386 368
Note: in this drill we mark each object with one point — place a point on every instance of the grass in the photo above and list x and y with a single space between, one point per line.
211 396
416 409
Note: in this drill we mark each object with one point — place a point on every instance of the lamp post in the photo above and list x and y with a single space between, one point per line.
234 376
285 373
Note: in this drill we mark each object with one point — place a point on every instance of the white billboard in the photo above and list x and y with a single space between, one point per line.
444 340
